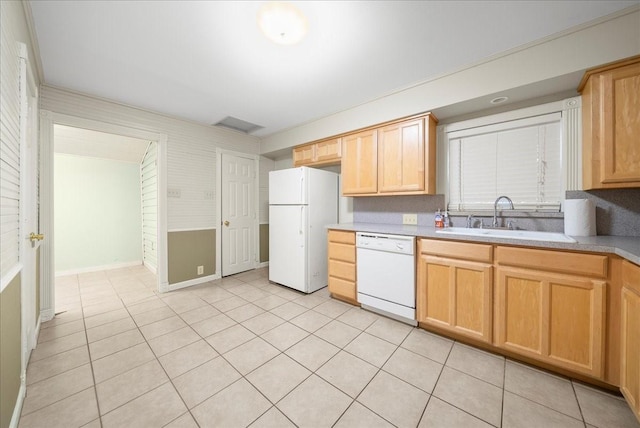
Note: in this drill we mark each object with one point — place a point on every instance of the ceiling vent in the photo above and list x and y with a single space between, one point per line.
238 125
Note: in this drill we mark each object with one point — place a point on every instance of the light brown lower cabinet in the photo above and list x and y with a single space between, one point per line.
542 313
630 336
342 265
454 287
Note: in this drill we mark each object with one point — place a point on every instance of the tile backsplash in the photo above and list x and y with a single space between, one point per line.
389 209
617 212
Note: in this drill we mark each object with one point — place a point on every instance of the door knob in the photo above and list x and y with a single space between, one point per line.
226 223
36 237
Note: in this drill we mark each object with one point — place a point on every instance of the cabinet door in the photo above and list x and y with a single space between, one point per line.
329 150
630 336
303 155
620 109
455 295
630 349
611 125
551 317
401 164
360 163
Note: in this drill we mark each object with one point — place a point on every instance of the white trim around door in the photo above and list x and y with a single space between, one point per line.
47 120
255 226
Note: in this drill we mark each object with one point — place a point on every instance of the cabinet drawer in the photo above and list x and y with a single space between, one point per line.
558 261
342 287
631 276
341 236
457 250
343 252
342 270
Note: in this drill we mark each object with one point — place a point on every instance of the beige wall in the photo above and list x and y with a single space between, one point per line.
10 345
187 251
264 243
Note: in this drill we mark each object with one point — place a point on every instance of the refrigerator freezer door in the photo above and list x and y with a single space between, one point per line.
288 186
288 228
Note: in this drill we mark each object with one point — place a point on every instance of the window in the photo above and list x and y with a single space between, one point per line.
520 158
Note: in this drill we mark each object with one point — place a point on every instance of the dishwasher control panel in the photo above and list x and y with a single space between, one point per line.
390 243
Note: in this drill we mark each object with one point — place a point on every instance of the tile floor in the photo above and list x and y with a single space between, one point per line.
244 352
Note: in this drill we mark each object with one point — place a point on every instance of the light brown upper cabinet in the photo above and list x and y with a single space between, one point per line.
360 163
630 336
325 152
403 161
611 125
401 165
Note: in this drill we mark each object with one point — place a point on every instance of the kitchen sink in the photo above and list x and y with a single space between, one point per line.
509 234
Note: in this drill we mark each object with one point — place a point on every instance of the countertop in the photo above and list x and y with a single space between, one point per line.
627 247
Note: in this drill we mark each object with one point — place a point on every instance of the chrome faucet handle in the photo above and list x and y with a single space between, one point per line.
510 225
469 221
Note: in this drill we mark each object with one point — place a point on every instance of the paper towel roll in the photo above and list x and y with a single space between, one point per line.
579 217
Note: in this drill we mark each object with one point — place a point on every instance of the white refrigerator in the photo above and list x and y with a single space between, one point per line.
302 202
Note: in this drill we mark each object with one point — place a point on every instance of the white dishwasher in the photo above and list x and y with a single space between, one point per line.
387 275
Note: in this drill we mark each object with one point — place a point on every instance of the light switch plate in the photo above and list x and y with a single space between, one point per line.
409 218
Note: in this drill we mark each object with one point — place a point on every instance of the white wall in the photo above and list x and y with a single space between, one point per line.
191 151
97 213
266 165
553 58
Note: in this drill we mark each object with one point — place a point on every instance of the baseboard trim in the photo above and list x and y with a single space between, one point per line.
151 267
262 265
17 410
46 315
189 283
98 268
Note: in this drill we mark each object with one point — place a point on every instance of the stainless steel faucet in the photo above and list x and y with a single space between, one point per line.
495 209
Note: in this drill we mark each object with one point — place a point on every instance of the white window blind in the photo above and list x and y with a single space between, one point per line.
521 159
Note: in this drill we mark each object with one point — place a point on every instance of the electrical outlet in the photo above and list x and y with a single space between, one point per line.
410 219
200 270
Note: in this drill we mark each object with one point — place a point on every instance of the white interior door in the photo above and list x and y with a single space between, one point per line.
238 214
29 224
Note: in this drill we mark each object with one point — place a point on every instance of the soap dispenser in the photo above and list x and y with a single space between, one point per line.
438 220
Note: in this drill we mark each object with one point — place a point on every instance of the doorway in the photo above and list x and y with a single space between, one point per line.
99 200
52 122
238 211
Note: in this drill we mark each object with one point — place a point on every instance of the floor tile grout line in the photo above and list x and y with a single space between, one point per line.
169 380
573 387
93 375
453 405
56 374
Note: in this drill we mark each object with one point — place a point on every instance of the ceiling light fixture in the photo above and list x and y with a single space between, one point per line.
499 100
282 23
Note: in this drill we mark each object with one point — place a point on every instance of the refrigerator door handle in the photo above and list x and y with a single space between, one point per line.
301 186
300 228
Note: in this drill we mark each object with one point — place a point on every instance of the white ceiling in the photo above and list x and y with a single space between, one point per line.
205 60
84 142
